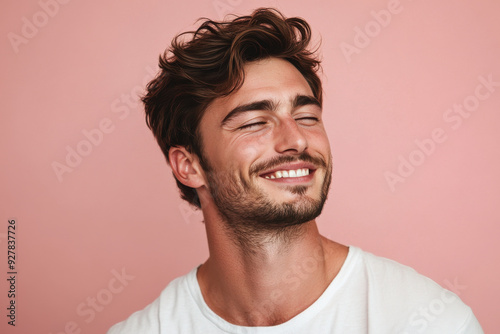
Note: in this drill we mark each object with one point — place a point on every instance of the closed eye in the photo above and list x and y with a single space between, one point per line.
308 120
251 125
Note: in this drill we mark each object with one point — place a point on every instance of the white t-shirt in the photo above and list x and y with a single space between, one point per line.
370 294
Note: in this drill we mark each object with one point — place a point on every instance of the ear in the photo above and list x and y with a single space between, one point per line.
186 167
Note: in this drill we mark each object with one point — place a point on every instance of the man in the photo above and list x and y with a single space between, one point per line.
237 113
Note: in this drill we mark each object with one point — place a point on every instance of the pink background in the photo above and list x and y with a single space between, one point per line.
118 209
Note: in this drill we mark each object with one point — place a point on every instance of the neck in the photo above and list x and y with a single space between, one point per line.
278 277
254 244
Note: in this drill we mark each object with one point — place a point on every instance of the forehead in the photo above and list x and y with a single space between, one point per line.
270 78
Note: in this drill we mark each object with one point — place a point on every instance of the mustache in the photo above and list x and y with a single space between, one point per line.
276 161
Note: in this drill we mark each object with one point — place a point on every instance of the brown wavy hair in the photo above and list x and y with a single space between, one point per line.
206 64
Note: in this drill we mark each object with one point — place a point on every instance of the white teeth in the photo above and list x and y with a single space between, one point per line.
288 173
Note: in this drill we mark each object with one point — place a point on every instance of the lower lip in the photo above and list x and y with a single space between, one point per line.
300 179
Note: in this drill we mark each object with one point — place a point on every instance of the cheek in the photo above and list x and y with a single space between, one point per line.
249 147
253 147
319 140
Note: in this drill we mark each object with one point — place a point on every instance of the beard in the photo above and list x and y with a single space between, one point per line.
251 216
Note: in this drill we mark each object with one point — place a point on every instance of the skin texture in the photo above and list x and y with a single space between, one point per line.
266 264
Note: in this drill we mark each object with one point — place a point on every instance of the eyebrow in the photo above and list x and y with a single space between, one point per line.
269 105
304 100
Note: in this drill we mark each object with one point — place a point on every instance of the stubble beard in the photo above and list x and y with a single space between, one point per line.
251 217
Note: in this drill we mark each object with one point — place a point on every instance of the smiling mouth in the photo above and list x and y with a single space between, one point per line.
292 173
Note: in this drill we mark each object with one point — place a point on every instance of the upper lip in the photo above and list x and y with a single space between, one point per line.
290 166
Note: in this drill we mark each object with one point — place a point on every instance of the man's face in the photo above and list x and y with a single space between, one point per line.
267 156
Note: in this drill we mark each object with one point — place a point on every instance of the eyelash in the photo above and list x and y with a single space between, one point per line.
248 126
311 118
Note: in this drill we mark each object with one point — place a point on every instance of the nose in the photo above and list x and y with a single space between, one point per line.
289 137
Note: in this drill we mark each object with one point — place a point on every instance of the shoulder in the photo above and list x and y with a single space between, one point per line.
393 279
143 321
148 320
384 270
399 294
